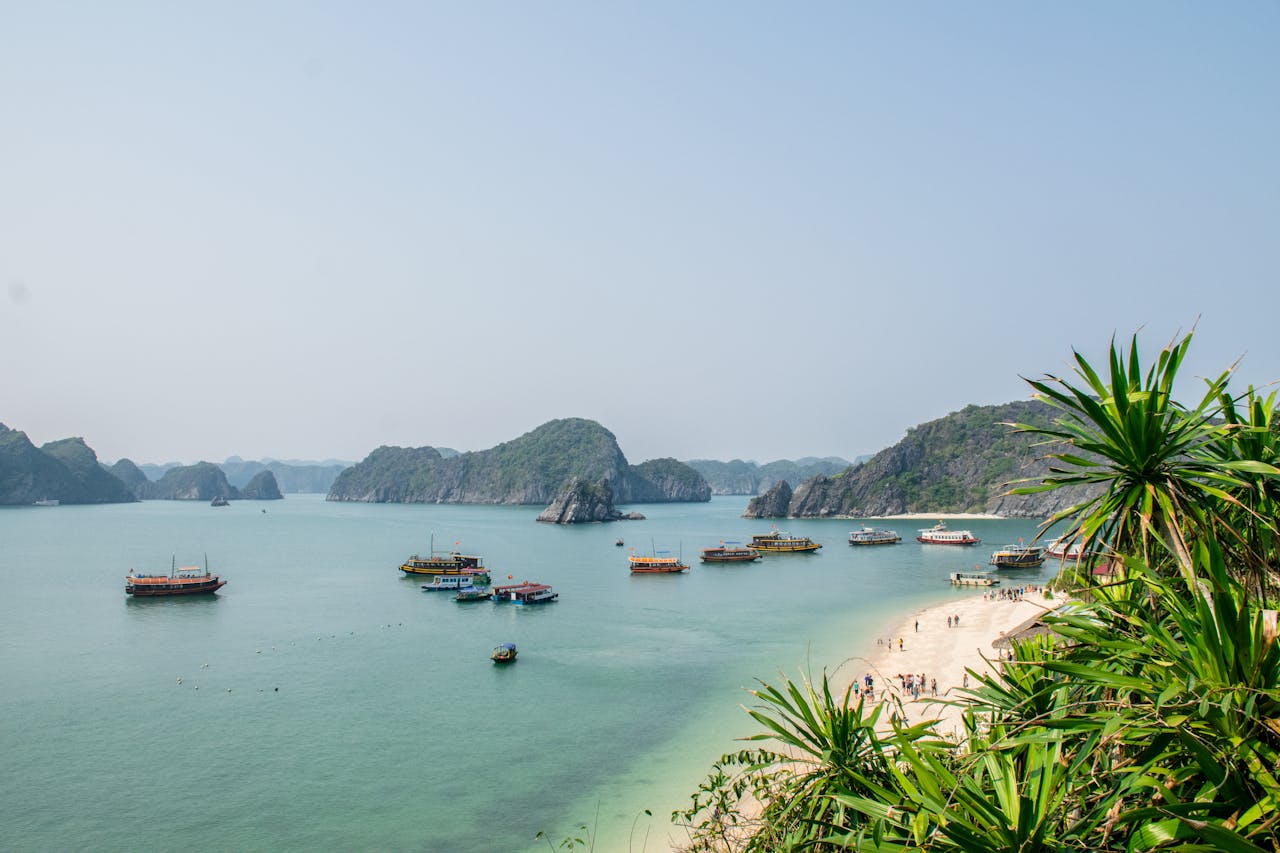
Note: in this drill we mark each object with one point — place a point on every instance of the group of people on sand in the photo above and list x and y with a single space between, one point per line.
1012 594
866 689
915 685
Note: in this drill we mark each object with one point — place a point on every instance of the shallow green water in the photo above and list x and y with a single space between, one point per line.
326 702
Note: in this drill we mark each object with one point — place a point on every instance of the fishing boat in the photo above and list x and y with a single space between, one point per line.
940 535
184 580
619 543
453 583
473 593
730 552
1018 557
781 542
441 562
874 536
525 593
974 579
504 653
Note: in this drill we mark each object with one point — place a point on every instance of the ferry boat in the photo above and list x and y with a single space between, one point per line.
974 579
453 583
219 501
47 502
442 563
940 535
730 552
874 536
781 542
185 580
655 565
525 593
1018 557
504 653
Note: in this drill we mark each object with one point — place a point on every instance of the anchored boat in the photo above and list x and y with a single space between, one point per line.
1018 557
442 563
781 542
525 593
730 552
184 580
940 535
974 579
874 536
504 653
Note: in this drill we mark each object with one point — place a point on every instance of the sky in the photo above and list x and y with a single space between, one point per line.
721 229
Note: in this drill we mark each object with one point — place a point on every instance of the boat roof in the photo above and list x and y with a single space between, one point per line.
522 587
510 646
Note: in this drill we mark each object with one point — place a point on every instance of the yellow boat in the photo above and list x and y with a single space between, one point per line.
782 542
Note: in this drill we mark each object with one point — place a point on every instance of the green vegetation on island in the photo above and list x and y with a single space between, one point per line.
67 471
963 462
1146 718
531 469
202 481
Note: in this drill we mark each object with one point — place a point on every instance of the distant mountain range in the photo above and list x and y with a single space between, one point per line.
959 463
750 478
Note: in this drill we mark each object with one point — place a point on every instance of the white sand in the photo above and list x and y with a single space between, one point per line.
940 652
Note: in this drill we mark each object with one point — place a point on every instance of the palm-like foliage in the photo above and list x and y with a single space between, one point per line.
1150 719
1146 455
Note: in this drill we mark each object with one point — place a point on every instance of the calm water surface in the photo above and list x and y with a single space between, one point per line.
323 701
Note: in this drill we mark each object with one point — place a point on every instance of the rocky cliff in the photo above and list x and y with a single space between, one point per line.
129 474
531 469
66 471
262 487
963 462
202 481
775 503
579 502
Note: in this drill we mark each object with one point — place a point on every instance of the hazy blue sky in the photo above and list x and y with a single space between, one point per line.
720 229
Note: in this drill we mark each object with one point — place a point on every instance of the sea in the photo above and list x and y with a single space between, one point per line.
322 700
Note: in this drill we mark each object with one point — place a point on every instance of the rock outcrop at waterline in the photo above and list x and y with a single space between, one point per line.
531 469
581 502
775 503
964 462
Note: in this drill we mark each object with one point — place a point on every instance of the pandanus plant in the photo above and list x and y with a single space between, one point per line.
1155 466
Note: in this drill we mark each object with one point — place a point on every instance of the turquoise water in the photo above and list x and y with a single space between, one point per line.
323 701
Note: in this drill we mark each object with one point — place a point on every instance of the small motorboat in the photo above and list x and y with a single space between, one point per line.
619 543
504 653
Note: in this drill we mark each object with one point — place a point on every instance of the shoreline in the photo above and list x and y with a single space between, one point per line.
924 643
941 652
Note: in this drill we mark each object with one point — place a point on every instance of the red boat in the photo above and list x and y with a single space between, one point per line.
185 580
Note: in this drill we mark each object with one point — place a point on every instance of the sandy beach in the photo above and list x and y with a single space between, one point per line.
941 642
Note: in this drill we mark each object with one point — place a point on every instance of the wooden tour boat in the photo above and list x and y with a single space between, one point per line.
781 542
184 580
504 653
940 535
1018 557
473 593
974 579
525 593
874 536
730 552
442 562
655 564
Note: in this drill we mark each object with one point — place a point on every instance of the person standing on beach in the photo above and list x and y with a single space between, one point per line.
899 644
917 626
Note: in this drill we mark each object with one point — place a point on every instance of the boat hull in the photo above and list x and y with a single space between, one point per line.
157 590
925 540
730 557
